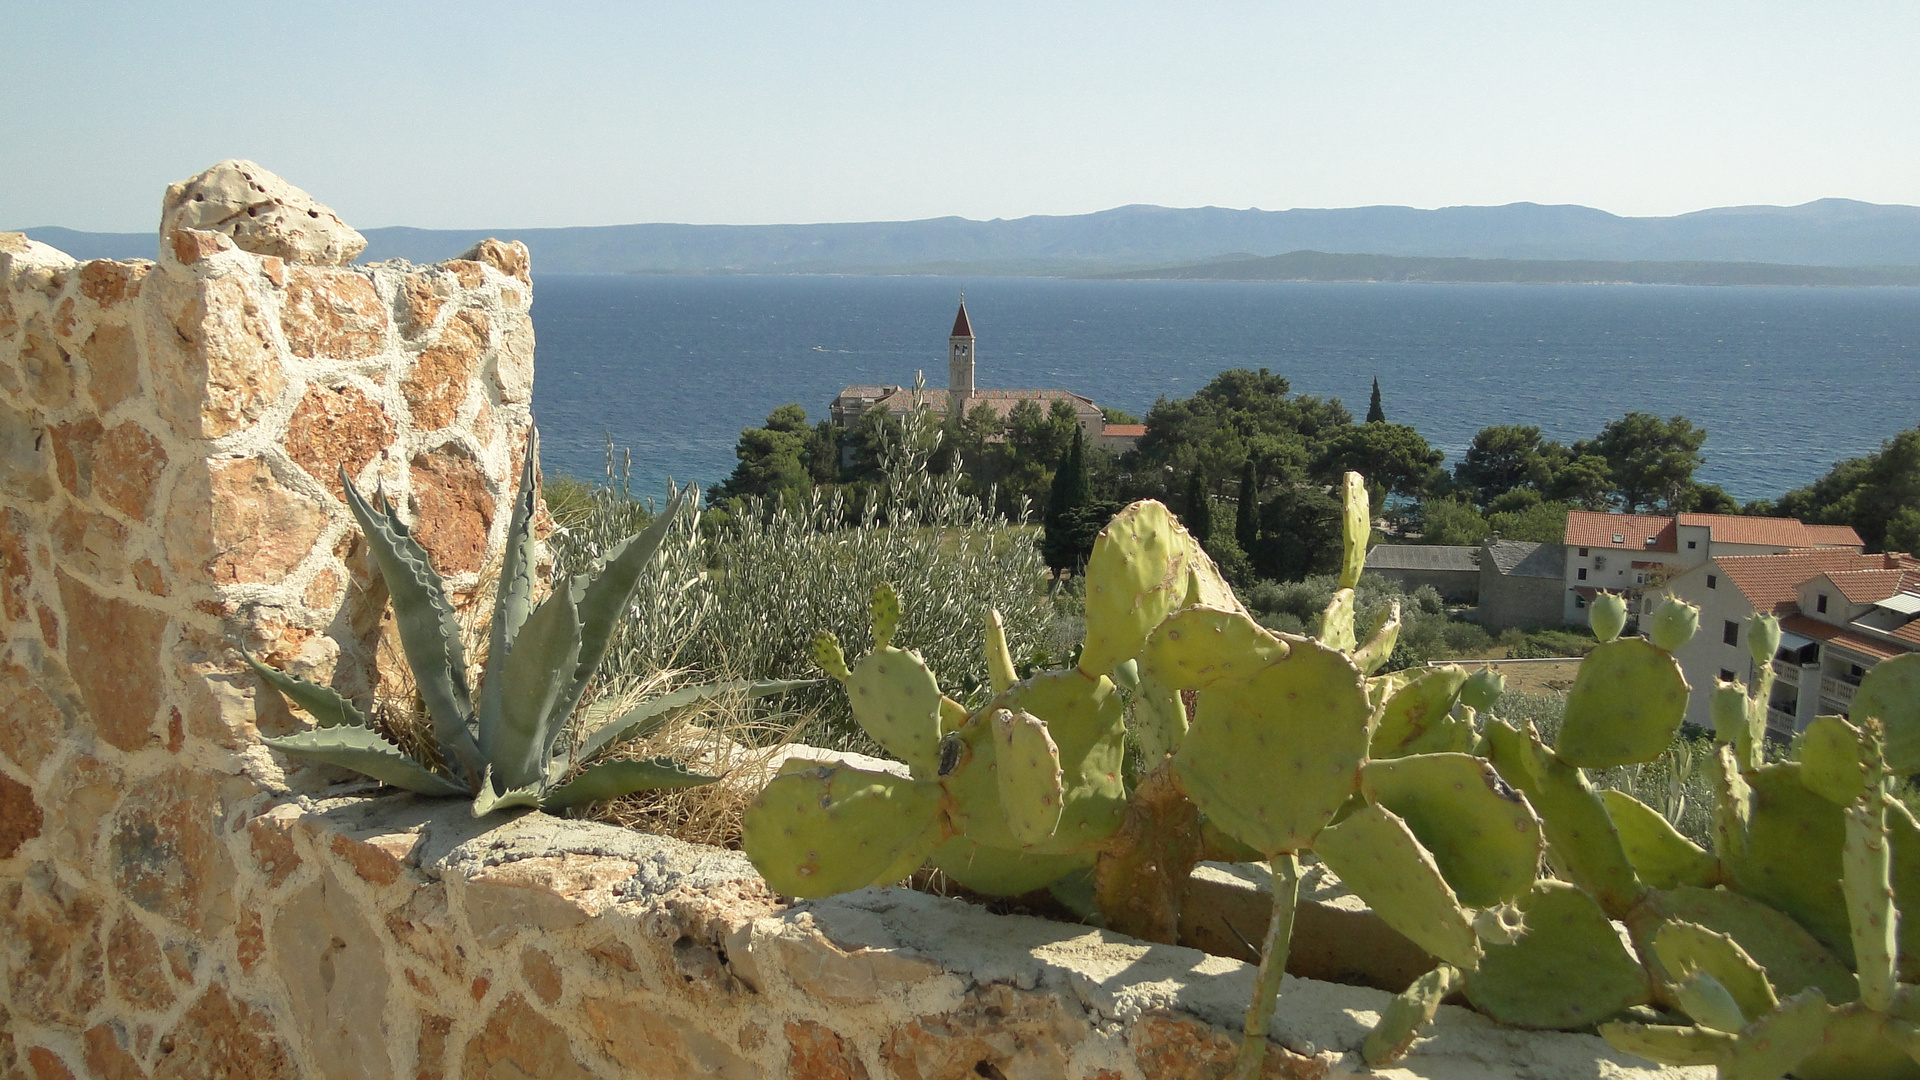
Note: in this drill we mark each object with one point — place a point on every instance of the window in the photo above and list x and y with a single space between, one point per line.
1725 675
1639 579
1579 601
1691 544
1651 540
1820 603
1619 538
1713 582
1583 573
1583 553
1731 634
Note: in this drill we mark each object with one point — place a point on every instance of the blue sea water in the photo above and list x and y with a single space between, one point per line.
1785 380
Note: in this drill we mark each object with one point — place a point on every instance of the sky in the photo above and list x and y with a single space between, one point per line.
526 115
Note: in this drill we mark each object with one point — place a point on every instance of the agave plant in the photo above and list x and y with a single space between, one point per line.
509 747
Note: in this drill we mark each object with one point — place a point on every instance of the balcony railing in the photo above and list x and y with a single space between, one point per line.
1780 722
1838 689
1787 674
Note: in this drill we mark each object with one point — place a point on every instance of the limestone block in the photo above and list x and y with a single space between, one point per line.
133 962
419 299
113 364
816 1052
551 892
423 927
107 282
167 854
542 975
107 1055
46 368
430 1048
85 790
1020 1036
16 565
74 444
262 213
127 465
91 544
223 1038
32 723
649 1044
270 839
16 251
334 970
260 530
336 426
453 508
519 1043
189 246
113 648
20 817
51 951
332 314
442 374
513 368
26 454
508 256
821 969
216 364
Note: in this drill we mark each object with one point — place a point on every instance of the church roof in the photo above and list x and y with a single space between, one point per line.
961 327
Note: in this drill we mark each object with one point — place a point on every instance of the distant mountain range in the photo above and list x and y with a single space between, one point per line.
1321 266
1826 233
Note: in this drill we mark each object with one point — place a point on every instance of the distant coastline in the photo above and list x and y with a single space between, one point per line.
1325 266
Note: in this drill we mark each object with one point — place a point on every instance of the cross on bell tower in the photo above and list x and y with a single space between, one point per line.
960 361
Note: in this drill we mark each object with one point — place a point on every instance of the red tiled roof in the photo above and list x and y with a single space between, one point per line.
961 327
1867 586
1124 431
1771 531
1909 633
1585 528
1772 583
1821 631
1833 536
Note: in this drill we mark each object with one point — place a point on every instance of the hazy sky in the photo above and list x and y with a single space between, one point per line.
484 115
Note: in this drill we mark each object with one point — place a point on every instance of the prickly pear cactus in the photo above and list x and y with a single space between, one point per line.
1625 707
835 828
1028 764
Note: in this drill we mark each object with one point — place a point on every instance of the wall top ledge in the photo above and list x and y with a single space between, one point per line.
870 962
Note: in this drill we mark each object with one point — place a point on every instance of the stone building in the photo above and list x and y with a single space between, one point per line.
1521 583
856 401
1453 571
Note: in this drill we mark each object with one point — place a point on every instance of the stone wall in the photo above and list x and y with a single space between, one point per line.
178 903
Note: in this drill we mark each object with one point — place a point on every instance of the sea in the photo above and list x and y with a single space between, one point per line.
1786 381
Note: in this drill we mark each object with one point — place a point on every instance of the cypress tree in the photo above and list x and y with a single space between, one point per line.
1246 524
1199 515
1375 414
1065 542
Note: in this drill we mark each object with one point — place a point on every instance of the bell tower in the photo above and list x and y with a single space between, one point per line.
960 360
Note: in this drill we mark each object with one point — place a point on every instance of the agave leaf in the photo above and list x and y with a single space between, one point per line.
612 779
429 632
601 598
513 596
364 751
537 672
486 801
649 716
327 708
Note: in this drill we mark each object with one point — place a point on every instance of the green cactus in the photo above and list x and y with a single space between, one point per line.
1484 837
1199 647
834 828
1568 970
1028 765
1607 615
1674 623
896 699
1415 707
1625 706
509 749
1378 857
1659 854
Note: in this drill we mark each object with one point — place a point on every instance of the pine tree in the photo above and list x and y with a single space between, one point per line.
1065 540
1246 524
1199 516
1375 414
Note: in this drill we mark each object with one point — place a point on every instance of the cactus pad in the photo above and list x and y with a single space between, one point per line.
833 829
1792 857
1832 763
828 656
897 701
1791 957
1661 856
1777 1043
1673 624
886 614
1356 527
1858 1045
1142 567
1569 970
1272 758
1000 673
1890 693
1407 1015
1200 646
1086 720
1571 814
1482 689
1002 872
1380 640
1666 1044
1377 856
1159 720
1685 948
1481 832
1625 706
1336 623
1415 707
1028 764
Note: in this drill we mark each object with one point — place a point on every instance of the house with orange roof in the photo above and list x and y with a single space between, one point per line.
855 402
1841 612
1632 553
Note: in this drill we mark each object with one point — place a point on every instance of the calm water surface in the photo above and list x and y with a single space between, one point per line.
1786 381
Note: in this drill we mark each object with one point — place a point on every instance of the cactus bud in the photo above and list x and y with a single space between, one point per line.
886 614
1728 707
827 654
1502 924
1482 689
1763 638
1674 623
1608 616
